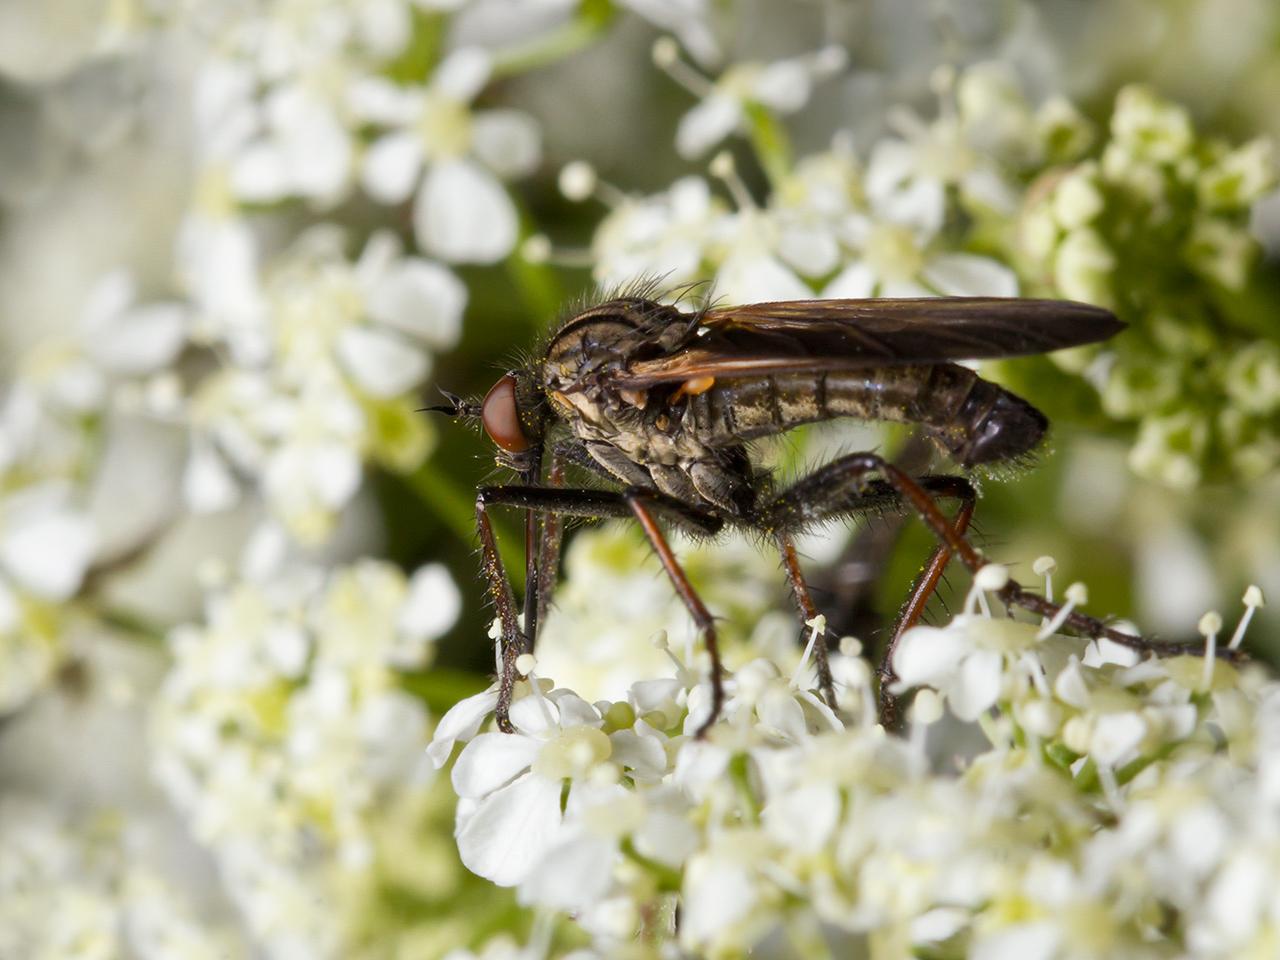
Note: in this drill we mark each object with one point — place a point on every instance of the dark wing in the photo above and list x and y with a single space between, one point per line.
823 335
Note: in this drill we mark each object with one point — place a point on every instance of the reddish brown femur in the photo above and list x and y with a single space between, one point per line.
501 418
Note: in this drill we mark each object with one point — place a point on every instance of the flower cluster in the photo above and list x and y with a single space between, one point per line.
107 899
1156 227
1117 806
284 735
897 225
323 366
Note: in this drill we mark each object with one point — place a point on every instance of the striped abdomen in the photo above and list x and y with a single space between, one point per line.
973 420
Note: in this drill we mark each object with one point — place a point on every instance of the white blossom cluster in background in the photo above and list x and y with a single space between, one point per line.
1110 805
282 734
242 244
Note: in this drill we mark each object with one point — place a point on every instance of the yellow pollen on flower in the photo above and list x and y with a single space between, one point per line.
573 753
446 127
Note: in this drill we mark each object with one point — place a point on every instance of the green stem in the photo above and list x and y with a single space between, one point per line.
440 688
770 141
591 20
536 283
456 508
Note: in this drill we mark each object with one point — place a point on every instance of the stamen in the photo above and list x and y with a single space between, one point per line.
926 710
1110 788
722 167
990 578
1036 671
818 626
1077 595
579 181
538 249
666 57
1209 626
659 640
1252 601
1044 567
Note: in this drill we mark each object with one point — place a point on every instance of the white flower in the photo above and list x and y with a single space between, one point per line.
783 86
894 241
282 737
510 784
461 212
665 235
328 346
963 661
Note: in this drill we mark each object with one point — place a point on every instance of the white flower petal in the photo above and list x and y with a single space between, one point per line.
784 85
381 362
717 894
391 166
573 875
534 715
47 551
508 142
260 174
433 603
928 655
378 100
810 250
145 339
460 722
510 831
804 819
966 275
463 74
491 760
462 214
978 686
757 278
1116 737
108 298
707 124
855 281
903 288
644 756
1029 941
891 165
921 205
420 298
208 483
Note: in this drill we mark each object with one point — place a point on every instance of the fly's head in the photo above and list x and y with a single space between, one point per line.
513 415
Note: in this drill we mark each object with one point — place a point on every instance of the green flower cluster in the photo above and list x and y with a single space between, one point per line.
1155 226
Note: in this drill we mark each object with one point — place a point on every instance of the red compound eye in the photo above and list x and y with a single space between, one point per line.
500 417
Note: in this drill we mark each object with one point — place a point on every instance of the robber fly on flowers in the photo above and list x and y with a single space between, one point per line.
663 404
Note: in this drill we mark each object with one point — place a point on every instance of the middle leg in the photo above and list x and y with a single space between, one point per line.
808 501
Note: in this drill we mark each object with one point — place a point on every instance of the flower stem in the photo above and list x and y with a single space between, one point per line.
456 507
591 20
770 141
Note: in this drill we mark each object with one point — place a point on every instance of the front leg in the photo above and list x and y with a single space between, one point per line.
556 502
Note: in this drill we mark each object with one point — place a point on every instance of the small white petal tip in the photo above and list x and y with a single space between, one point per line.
850 646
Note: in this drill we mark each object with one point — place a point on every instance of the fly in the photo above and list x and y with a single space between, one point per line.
662 404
